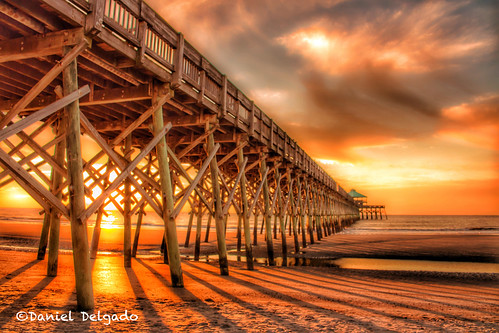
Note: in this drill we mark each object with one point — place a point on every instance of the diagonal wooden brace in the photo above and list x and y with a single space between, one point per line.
126 172
231 195
118 160
19 172
195 182
43 113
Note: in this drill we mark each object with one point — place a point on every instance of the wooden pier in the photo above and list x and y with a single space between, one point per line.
162 128
367 212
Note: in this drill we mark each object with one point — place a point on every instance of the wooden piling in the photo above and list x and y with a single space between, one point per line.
219 218
189 227
245 211
81 256
267 214
199 220
127 218
168 197
138 225
42 245
96 233
280 216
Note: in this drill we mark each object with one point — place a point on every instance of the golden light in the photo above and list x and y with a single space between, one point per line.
108 221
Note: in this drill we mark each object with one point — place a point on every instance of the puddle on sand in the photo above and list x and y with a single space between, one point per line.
417 265
374 264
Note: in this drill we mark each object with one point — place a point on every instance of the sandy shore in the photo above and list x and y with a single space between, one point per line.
289 299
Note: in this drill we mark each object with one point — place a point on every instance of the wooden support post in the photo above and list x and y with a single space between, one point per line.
267 214
301 206
255 228
293 222
208 226
238 232
280 215
137 231
245 211
308 200
197 245
189 227
44 237
168 200
96 234
219 218
81 256
127 218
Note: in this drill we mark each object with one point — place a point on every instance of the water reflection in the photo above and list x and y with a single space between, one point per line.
372 264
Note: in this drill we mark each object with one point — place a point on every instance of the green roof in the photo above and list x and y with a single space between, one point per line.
355 194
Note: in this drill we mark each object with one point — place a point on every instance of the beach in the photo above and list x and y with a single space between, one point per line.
298 298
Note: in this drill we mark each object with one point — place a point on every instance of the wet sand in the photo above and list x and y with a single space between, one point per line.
288 299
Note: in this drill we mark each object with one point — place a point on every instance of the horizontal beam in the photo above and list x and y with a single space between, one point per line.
39 45
97 97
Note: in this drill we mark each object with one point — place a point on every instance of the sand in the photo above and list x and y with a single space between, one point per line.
284 299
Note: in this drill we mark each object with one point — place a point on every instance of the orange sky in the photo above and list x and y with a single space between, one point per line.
397 99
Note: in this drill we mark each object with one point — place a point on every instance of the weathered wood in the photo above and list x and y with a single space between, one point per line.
37 88
168 200
125 173
184 173
196 180
230 198
189 227
267 214
127 218
280 216
44 237
39 45
301 207
245 211
81 258
22 124
219 216
55 220
293 214
199 220
208 226
96 233
137 231
41 192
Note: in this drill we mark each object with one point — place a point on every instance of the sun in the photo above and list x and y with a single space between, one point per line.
108 221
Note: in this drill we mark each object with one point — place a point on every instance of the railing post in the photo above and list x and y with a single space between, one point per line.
179 62
223 99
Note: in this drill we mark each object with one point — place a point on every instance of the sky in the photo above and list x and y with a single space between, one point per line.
396 99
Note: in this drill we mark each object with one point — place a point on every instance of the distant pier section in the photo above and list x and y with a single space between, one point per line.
367 212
